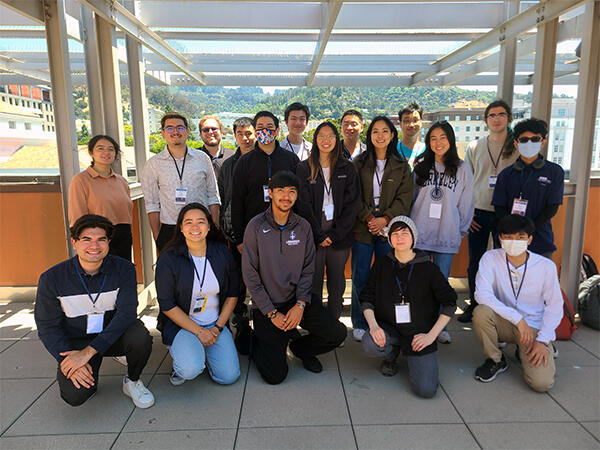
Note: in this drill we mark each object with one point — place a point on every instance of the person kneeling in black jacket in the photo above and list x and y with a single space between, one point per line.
401 303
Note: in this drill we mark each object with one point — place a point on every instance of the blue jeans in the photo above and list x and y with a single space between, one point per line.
362 254
478 244
190 357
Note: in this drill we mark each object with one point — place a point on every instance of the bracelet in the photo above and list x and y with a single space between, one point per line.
272 315
300 304
219 327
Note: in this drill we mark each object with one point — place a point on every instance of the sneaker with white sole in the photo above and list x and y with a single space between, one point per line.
444 337
554 351
358 334
175 379
489 369
140 395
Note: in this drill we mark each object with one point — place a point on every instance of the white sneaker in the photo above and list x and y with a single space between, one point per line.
121 360
444 337
140 395
358 334
175 379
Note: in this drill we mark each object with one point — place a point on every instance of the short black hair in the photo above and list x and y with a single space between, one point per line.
499 103
242 122
537 126
352 112
515 223
173 115
411 108
93 141
296 106
91 221
260 114
284 178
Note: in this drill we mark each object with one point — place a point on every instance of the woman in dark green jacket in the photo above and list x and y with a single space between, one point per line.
386 192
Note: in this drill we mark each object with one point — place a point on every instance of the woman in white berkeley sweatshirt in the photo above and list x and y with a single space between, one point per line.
443 205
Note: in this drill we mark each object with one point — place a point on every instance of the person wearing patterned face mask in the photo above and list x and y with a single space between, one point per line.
519 302
532 186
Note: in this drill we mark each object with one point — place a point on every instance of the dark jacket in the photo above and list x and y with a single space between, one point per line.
396 192
426 291
250 175
175 281
225 183
345 191
223 155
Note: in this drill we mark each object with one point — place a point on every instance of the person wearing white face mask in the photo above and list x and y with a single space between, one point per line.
532 186
519 302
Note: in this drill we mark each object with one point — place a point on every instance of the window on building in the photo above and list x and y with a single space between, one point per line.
468 129
457 118
468 118
10 100
457 129
446 117
43 127
562 112
467 138
28 125
477 128
477 117
476 137
12 124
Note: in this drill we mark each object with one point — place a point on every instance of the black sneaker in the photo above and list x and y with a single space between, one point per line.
467 315
489 369
389 368
312 364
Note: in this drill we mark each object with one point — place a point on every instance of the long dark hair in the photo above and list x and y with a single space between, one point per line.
313 160
392 146
178 239
93 141
425 161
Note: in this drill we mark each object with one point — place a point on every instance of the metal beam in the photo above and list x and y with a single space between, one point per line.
15 67
330 12
543 75
117 15
33 10
583 147
92 71
508 58
512 28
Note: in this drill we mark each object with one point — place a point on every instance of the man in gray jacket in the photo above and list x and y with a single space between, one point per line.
278 265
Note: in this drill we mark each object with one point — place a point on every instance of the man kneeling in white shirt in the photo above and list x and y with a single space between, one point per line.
519 302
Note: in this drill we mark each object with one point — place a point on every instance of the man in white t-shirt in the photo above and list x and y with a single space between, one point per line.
296 118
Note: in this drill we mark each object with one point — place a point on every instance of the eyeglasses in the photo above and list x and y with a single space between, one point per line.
326 138
209 129
497 116
524 140
409 122
171 129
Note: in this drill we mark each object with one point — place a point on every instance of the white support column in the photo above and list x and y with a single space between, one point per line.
139 117
110 79
508 57
62 100
581 162
543 75
92 70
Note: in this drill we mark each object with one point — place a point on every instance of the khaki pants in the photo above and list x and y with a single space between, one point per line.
491 328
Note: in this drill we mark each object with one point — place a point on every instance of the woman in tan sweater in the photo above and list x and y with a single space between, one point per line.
98 190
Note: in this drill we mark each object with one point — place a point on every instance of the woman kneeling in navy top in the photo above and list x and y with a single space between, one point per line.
197 286
401 303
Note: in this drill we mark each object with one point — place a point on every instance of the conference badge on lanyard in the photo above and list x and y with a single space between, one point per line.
519 206
180 196
402 309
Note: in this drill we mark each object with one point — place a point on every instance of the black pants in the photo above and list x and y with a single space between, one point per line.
269 343
164 235
135 344
121 242
240 307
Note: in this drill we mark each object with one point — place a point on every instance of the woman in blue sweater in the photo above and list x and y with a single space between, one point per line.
197 287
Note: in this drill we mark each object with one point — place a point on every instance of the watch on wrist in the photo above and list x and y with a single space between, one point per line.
272 314
219 327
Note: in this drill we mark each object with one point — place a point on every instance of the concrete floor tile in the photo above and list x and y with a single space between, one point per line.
396 437
375 399
571 354
465 351
304 398
112 367
588 338
545 436
578 391
325 437
5 343
27 359
195 405
351 356
59 442
174 440
593 428
16 322
16 396
105 412
506 399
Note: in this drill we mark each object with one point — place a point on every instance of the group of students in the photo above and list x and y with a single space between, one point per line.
287 214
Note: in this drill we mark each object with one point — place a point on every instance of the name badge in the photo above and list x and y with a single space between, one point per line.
180 196
266 197
328 210
95 323
493 179
402 312
519 206
435 211
200 305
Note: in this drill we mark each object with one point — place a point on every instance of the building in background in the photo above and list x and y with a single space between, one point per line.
35 99
154 116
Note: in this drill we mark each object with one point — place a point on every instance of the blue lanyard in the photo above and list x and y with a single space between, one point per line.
203 271
402 147
93 300
402 291
516 294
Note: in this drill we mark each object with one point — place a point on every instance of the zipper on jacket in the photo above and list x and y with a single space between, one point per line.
280 241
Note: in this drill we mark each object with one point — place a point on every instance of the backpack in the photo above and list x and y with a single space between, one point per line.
565 328
589 302
588 268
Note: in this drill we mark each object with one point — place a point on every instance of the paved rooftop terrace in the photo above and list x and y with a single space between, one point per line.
349 405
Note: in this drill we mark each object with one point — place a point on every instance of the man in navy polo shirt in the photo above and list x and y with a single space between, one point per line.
86 309
532 186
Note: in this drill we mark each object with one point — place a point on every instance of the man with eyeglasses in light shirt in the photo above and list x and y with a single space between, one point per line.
211 133
176 176
411 123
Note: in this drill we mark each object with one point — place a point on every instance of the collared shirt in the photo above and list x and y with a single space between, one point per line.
302 151
160 178
361 148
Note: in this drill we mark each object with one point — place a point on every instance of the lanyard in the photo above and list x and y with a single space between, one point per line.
402 147
379 180
203 271
93 300
523 185
327 186
180 174
495 164
511 280
269 166
407 281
